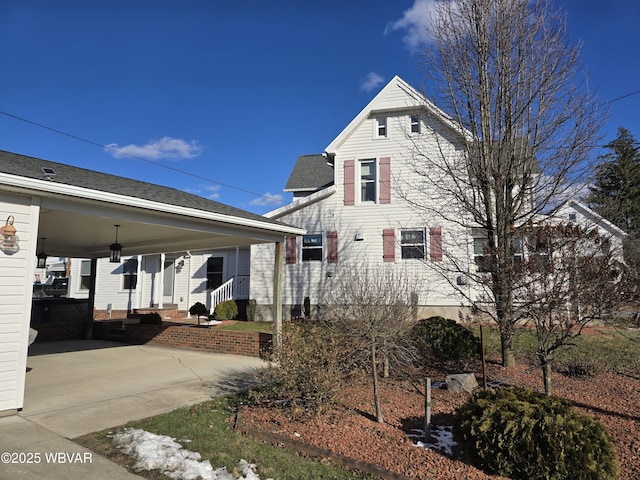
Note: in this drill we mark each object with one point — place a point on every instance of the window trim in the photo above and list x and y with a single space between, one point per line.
374 181
418 246
81 286
381 127
415 126
127 273
312 248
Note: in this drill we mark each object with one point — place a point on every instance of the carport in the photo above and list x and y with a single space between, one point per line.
76 210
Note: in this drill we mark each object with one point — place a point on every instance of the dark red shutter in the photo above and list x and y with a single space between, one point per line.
435 244
388 245
385 180
332 247
290 250
349 182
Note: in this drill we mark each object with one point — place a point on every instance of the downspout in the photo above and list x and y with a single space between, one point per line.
188 257
161 281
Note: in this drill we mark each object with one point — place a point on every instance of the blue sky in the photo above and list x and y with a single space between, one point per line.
219 98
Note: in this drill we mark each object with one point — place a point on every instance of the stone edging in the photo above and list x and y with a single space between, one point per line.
313 451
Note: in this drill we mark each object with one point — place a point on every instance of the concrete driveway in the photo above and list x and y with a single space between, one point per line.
78 387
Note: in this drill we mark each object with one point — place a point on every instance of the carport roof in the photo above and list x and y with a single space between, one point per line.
79 208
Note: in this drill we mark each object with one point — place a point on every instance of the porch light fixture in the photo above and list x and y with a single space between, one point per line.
42 257
9 244
115 249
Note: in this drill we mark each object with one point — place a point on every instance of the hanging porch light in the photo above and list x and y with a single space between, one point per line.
115 249
42 257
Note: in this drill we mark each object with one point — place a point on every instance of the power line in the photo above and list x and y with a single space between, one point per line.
115 150
620 98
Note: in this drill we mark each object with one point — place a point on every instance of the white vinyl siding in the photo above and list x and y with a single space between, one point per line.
16 285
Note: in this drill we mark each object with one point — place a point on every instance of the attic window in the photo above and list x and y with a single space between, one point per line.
572 217
381 127
415 124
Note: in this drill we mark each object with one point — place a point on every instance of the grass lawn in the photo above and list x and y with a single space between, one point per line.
209 426
613 349
260 327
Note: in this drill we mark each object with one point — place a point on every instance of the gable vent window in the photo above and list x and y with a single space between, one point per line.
415 124
312 247
381 127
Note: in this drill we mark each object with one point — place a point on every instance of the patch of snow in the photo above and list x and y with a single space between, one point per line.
441 436
160 452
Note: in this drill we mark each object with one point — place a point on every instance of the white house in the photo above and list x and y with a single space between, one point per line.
76 210
354 201
164 281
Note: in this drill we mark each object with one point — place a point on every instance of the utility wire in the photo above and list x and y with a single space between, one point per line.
115 150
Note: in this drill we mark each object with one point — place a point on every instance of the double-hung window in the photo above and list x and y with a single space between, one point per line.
130 271
215 272
415 124
312 247
85 274
481 250
412 243
368 180
381 127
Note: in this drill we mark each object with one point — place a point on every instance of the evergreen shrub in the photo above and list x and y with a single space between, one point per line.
153 318
227 310
198 309
522 434
445 339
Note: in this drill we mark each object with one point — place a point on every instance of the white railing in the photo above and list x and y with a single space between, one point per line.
233 289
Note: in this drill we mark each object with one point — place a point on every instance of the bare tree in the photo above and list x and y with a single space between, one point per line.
370 309
570 278
508 75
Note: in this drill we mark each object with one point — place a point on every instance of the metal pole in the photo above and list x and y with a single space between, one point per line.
427 409
484 363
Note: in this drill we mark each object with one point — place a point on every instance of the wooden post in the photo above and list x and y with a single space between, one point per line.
484 363
278 271
427 409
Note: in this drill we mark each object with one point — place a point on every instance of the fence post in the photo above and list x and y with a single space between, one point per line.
427 409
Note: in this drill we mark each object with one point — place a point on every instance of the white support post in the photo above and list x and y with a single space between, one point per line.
278 271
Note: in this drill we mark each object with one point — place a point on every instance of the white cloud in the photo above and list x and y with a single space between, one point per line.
371 82
268 199
166 147
415 23
208 191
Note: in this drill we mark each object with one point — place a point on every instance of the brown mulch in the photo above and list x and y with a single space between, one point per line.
353 432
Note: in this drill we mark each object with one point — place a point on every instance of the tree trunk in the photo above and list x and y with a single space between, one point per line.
546 376
508 355
376 394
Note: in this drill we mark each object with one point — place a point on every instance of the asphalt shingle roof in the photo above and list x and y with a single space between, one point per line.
30 167
310 173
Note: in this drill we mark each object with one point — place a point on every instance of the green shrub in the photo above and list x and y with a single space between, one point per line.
445 339
304 373
151 319
523 435
198 309
227 310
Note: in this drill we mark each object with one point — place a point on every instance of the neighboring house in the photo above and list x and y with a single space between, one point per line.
352 201
76 210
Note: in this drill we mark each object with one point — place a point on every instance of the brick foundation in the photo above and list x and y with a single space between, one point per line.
209 339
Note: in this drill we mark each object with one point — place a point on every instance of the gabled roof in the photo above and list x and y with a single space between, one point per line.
385 101
310 173
596 218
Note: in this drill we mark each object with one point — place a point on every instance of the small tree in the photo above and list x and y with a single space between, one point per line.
198 309
369 309
570 278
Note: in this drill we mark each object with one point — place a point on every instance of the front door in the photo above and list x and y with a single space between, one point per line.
215 271
168 280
